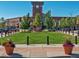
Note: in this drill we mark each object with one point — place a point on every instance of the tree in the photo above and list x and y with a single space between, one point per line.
71 22
48 20
77 20
2 22
25 23
37 22
65 22
68 23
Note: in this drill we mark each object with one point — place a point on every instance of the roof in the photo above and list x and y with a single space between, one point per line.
58 18
14 18
37 2
31 18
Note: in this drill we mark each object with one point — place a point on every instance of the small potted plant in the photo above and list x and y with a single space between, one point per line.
9 47
68 47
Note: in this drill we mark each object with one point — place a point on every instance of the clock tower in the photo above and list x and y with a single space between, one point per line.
37 8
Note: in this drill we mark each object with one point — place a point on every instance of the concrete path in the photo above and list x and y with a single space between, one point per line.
40 51
75 33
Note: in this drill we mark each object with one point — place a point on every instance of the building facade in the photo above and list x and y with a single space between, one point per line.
36 8
13 22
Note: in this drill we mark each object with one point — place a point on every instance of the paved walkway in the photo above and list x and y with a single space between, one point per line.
75 33
40 51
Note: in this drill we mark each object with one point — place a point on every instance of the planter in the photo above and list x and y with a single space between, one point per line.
37 29
9 50
68 49
9 47
68 46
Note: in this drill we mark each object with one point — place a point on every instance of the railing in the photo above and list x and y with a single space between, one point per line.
48 40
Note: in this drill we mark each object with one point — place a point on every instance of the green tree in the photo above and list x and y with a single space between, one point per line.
67 23
25 23
64 22
77 20
71 22
2 22
37 22
49 22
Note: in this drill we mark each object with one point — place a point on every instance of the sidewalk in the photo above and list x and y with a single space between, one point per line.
40 51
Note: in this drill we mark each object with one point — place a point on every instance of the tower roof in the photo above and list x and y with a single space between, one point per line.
37 3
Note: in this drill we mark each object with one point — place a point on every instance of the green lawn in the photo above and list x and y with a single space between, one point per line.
38 37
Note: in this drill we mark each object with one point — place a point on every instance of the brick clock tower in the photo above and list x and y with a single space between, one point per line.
37 8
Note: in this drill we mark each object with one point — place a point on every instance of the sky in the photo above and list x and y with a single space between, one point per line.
12 9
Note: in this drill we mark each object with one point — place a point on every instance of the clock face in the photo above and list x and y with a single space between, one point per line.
37 6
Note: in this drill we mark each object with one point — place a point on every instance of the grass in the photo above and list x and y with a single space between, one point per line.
38 37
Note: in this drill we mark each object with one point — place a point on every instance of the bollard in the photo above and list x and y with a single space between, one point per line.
47 40
75 39
27 40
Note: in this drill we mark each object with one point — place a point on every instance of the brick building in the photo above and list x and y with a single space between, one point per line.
15 22
37 8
